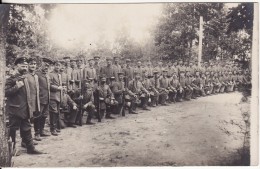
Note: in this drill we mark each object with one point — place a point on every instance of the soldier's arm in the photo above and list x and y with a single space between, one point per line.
110 92
10 87
53 87
116 89
71 103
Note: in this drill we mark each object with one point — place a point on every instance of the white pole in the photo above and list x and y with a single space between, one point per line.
254 155
200 40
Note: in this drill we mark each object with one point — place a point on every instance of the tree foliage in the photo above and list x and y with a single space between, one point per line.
176 35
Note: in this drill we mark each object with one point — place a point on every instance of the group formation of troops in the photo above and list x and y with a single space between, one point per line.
60 92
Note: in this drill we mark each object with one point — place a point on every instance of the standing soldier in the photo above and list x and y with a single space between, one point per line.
80 69
33 84
108 70
67 69
74 75
90 72
21 104
117 67
139 69
128 71
44 95
96 66
55 98
149 69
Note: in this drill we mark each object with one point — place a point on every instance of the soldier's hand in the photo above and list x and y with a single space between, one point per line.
135 96
80 97
19 84
74 107
85 106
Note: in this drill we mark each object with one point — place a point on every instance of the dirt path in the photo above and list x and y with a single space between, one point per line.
184 133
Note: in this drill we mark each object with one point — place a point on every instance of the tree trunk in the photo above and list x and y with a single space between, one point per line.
4 153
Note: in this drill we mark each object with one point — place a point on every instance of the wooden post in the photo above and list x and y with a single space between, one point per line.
5 158
200 40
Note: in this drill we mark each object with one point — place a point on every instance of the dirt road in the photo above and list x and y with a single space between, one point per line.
184 133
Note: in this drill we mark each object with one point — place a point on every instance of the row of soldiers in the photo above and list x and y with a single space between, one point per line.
63 90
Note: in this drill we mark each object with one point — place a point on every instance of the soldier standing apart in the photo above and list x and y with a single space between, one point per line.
55 98
21 104
44 95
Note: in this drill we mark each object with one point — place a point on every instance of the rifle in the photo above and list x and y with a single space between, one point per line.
98 105
122 110
80 108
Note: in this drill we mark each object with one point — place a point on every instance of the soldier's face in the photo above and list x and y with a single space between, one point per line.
45 67
116 60
139 64
91 63
64 89
32 65
57 66
109 62
121 77
137 77
62 68
22 68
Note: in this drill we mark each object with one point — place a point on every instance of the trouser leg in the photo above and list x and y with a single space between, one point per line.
53 121
37 125
73 115
144 102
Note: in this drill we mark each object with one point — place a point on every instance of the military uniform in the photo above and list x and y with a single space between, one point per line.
21 105
55 99
137 88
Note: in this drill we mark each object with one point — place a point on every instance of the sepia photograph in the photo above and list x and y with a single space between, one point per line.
129 84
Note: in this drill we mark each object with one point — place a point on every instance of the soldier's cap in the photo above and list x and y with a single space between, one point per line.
90 59
128 60
64 84
79 60
120 73
96 57
66 57
165 70
47 60
112 78
90 79
21 60
77 81
71 81
73 60
137 73
116 57
62 62
197 71
30 59
108 58
150 76
155 72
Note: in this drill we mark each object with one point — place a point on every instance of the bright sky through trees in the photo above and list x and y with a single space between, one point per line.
71 26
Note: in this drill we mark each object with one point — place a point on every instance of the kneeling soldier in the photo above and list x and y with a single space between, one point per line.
88 101
137 88
68 109
106 99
